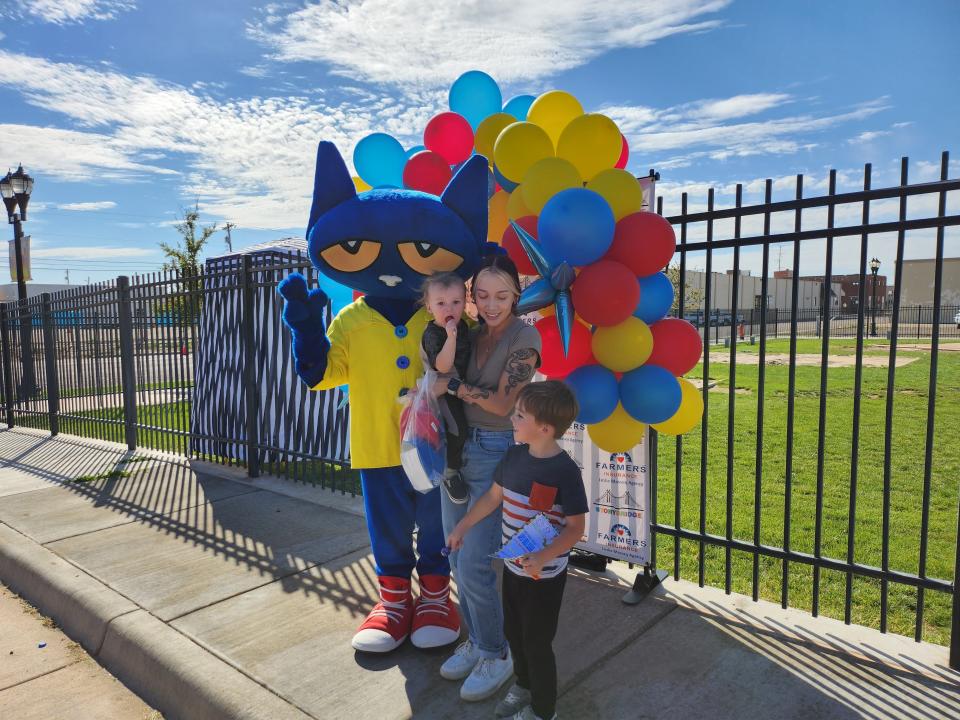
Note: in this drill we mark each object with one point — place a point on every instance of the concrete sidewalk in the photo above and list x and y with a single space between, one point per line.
212 596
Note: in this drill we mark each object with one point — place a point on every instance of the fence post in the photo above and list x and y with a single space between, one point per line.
50 358
128 377
7 364
251 391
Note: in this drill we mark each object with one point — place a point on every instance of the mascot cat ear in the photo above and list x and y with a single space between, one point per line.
464 197
332 183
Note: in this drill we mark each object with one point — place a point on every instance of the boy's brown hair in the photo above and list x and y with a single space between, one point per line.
550 402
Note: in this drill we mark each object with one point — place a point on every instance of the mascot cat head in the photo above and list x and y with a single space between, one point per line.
385 242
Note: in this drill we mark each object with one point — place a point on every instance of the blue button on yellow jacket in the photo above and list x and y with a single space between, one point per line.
364 349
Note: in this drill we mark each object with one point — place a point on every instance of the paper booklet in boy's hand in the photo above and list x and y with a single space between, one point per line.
534 536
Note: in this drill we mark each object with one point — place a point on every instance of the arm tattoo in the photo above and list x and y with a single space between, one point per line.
519 369
471 394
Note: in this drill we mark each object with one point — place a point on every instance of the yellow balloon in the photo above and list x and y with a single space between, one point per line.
546 178
553 111
592 143
360 184
689 413
623 347
487 132
620 189
518 147
618 433
516 207
497 219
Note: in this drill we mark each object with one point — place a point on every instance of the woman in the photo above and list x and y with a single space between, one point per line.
504 355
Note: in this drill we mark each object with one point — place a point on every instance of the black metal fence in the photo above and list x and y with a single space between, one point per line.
800 486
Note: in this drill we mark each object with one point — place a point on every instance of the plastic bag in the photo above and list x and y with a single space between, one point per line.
423 445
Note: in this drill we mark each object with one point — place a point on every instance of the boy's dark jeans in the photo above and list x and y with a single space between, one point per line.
531 609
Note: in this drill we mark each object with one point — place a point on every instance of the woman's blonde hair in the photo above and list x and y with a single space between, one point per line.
502 267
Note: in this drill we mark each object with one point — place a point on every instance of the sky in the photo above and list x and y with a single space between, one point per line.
126 112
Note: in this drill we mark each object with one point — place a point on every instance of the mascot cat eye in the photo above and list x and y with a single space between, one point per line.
352 255
427 258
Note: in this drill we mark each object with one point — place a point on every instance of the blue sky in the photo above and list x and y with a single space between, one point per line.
127 111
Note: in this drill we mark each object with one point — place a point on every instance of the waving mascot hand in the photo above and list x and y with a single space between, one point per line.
384 243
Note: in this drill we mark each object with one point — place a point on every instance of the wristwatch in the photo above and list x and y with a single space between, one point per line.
453 384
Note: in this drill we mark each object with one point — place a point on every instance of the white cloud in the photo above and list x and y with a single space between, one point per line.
248 160
88 206
700 129
91 252
64 12
868 136
430 44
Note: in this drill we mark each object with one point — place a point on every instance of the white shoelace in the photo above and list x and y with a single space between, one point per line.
433 602
392 609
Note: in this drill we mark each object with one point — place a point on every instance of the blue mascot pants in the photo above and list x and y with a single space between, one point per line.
393 509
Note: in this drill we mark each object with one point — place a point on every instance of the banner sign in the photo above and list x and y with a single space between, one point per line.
618 525
24 257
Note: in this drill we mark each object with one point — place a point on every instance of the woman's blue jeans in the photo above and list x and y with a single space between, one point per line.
472 565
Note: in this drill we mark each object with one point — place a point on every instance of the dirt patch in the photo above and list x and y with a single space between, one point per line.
942 347
811 359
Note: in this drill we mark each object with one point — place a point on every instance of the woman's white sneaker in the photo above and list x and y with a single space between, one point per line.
462 662
488 676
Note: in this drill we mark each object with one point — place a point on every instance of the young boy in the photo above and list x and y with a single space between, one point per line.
534 477
446 349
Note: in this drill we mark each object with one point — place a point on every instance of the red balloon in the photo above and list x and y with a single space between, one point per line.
644 242
450 136
552 361
428 172
624 153
511 243
677 346
605 293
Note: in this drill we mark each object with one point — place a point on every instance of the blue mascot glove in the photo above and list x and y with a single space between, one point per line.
303 314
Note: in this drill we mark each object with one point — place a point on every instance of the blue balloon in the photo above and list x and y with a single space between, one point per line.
575 225
650 394
379 159
596 391
656 298
340 295
476 96
414 150
507 185
519 106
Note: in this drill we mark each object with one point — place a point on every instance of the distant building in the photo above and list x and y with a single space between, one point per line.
918 280
8 292
849 290
750 291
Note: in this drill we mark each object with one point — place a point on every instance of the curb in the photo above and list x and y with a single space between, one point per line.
168 670
82 606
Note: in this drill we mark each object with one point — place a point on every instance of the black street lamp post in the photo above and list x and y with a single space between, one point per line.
874 268
15 189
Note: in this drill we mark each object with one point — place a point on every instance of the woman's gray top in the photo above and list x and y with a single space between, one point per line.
518 336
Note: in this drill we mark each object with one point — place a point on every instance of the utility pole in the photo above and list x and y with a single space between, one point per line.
66 276
228 227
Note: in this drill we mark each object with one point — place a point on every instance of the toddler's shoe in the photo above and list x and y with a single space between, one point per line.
455 487
528 714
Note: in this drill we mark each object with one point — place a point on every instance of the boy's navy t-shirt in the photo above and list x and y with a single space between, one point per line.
552 486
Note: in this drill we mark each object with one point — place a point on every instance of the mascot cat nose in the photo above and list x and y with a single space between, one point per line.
390 280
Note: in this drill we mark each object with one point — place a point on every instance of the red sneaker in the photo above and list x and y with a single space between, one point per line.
388 624
436 621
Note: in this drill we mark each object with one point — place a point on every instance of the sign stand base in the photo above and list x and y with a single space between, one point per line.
644 583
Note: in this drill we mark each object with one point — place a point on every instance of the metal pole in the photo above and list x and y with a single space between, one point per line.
7 365
873 303
128 379
50 358
251 390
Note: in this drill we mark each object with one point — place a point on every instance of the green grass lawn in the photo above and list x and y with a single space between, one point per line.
906 480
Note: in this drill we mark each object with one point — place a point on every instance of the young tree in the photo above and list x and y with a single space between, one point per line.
694 296
184 259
